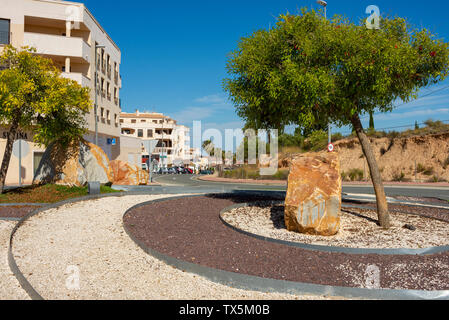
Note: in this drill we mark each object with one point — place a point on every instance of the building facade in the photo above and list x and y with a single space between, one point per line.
173 140
67 33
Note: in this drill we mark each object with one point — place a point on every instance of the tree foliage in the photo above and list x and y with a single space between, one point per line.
35 98
33 94
308 70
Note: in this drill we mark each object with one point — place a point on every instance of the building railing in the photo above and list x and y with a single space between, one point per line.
116 77
109 71
109 96
116 101
103 93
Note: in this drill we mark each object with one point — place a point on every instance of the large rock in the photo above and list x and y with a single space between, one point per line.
75 165
128 175
313 201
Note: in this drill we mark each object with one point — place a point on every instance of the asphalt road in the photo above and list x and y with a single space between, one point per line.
172 182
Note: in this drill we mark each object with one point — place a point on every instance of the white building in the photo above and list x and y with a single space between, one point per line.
173 140
67 33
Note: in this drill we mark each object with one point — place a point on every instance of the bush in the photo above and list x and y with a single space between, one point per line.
420 168
356 175
317 141
399 177
429 171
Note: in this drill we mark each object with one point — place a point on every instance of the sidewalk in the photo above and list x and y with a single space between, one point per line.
354 183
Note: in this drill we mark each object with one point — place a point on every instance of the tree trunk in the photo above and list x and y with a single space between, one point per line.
7 155
382 205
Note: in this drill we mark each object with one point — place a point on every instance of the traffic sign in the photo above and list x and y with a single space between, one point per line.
330 147
150 145
20 148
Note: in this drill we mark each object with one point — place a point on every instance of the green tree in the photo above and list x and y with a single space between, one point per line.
316 71
371 121
34 97
416 125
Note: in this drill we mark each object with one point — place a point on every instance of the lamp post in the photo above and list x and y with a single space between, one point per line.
96 98
324 5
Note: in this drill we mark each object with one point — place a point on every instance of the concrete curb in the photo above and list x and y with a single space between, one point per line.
24 204
412 252
248 282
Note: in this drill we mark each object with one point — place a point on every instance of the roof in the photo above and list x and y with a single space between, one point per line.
125 115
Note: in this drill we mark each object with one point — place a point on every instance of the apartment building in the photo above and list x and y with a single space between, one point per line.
173 139
67 33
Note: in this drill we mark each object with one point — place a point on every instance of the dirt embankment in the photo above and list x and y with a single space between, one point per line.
400 158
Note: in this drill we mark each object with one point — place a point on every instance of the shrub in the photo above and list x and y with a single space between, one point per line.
317 141
399 177
420 168
429 171
356 175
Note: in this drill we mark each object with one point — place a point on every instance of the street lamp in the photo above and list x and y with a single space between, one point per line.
324 5
96 98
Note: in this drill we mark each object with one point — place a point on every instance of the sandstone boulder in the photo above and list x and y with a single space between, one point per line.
313 201
75 165
128 175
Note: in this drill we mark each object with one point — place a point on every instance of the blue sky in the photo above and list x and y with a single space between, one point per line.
174 52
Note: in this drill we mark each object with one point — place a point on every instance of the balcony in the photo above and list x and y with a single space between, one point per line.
58 45
78 77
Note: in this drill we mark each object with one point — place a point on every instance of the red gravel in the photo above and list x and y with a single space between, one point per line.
189 229
16 211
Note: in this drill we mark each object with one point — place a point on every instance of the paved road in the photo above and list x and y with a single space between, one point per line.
188 181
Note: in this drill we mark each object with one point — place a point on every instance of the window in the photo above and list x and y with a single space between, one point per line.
140 133
37 157
150 133
4 31
122 121
102 112
133 121
143 121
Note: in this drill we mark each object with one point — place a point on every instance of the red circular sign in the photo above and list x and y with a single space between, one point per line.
330 147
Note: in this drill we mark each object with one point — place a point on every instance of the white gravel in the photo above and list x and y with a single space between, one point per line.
89 236
358 230
10 288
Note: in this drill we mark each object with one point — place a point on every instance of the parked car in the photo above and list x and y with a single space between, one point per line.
206 172
172 171
163 171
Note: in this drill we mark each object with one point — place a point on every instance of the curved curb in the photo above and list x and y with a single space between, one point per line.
312 247
23 204
253 283
23 281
